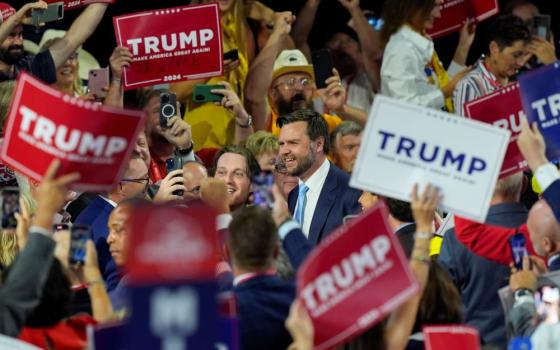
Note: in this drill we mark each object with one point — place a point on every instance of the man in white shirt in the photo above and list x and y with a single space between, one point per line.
323 197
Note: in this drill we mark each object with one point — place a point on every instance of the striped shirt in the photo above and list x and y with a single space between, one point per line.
477 83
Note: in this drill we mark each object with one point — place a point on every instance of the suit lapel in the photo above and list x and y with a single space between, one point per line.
323 208
292 199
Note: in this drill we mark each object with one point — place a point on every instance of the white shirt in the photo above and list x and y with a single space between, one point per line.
315 184
109 201
403 74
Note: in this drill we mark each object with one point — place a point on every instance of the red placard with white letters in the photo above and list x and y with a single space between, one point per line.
73 4
44 124
356 276
441 337
502 108
169 45
455 12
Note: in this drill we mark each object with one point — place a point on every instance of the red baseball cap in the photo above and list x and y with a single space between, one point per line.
6 10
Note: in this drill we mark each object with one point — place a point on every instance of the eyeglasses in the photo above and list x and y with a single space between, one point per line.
145 181
292 83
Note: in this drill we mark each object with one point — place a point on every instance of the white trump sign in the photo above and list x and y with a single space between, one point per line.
405 144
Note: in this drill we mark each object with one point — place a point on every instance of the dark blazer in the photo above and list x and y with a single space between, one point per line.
552 197
405 235
479 279
264 304
97 215
336 201
22 290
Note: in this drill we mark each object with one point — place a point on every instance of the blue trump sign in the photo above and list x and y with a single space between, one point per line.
540 94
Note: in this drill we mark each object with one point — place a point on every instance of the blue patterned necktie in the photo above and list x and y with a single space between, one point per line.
302 200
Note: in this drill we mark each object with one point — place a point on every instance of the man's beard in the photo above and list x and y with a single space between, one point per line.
304 164
296 103
10 55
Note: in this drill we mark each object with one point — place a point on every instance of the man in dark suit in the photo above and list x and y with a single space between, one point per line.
134 183
263 298
479 279
402 222
323 197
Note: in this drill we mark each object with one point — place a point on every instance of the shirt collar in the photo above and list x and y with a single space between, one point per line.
553 258
109 201
482 66
422 43
318 178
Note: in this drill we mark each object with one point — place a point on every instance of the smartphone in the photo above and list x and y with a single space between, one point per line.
547 304
79 235
61 227
374 21
10 206
202 93
231 55
262 189
98 79
541 26
173 164
322 66
167 107
518 249
53 12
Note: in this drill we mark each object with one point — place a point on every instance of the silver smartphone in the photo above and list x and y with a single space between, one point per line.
53 12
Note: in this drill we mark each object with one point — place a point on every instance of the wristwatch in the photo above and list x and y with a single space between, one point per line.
522 292
248 125
186 151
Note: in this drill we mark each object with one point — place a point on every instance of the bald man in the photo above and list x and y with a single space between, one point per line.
193 174
544 230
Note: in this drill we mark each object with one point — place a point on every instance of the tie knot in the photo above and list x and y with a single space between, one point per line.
303 188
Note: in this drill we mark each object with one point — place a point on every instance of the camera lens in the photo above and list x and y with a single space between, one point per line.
168 111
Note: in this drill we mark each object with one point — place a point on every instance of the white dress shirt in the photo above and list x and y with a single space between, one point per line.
315 184
403 71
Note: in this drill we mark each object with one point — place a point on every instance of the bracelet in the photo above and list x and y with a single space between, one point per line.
248 125
422 258
423 235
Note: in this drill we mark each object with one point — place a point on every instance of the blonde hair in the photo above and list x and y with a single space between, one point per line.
25 192
262 142
8 247
77 85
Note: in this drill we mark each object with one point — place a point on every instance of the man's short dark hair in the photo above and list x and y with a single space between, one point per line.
253 167
347 127
316 125
252 238
400 210
506 30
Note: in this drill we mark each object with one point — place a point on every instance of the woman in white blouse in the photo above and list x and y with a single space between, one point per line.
411 70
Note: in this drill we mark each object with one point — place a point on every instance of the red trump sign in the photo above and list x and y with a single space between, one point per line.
502 108
185 247
441 337
169 45
354 278
72 4
455 12
93 140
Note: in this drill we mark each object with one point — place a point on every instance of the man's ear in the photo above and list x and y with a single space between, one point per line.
493 48
319 144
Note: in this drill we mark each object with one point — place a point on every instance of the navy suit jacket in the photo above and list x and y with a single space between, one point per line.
479 279
336 201
552 197
97 215
264 304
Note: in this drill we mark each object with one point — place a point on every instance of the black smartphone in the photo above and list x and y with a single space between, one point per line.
53 12
167 107
61 227
202 93
173 164
10 206
79 235
231 55
518 247
322 66
262 189
541 26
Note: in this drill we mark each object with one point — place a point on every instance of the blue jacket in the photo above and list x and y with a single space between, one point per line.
336 201
97 215
264 304
479 279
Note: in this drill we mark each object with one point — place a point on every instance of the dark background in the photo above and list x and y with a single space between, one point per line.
331 15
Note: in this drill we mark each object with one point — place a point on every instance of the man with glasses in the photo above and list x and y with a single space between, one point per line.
44 65
133 184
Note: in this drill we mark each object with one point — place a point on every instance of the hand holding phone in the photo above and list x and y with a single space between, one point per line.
541 26
173 164
518 249
53 12
10 206
98 81
79 235
322 66
262 189
167 108
202 93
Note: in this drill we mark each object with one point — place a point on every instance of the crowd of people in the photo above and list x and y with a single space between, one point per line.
273 118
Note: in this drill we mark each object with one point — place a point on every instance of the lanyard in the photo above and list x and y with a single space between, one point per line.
489 78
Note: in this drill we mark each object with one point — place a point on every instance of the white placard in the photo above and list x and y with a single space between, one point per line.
405 144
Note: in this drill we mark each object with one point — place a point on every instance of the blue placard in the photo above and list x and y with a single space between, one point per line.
108 337
179 316
540 94
228 333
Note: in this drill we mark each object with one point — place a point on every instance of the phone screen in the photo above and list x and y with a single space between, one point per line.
547 304
322 66
10 206
79 236
541 26
262 189
375 22
518 249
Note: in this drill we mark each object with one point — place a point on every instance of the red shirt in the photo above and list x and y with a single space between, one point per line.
68 334
490 242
